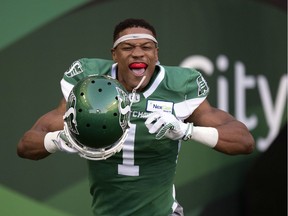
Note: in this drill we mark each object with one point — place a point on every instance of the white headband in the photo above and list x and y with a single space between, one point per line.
133 36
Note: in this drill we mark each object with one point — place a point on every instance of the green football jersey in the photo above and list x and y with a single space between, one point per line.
139 179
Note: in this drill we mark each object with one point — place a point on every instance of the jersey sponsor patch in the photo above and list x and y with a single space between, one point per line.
153 105
75 69
202 86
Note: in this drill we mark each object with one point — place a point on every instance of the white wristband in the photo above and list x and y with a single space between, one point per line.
205 135
49 141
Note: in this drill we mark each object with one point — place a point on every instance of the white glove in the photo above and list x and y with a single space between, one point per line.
57 141
166 124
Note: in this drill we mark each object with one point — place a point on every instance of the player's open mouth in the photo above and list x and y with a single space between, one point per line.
138 68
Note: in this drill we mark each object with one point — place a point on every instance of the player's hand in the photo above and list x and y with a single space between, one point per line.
166 124
57 141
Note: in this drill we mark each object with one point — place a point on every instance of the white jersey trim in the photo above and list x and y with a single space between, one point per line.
156 82
113 70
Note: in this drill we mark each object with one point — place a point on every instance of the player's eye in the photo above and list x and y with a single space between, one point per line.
147 48
127 48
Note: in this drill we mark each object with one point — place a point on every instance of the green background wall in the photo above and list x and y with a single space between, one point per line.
240 46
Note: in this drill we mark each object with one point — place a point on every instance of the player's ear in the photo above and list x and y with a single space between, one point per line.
114 57
156 54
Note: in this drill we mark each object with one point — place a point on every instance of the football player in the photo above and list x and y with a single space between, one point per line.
167 106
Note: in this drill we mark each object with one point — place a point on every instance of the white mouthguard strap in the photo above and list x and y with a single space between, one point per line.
133 36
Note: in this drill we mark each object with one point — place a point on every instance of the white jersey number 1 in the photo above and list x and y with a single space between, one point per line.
127 167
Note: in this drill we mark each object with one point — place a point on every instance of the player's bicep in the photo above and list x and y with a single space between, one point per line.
52 120
206 115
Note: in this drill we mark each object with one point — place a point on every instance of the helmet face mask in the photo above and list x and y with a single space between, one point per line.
97 118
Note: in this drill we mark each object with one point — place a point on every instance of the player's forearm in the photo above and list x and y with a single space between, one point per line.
31 146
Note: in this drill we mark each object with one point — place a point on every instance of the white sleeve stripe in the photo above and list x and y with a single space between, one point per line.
185 108
66 88
175 204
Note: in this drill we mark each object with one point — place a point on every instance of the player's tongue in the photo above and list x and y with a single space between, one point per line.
138 68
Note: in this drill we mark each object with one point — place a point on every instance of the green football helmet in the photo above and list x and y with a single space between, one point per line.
96 121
